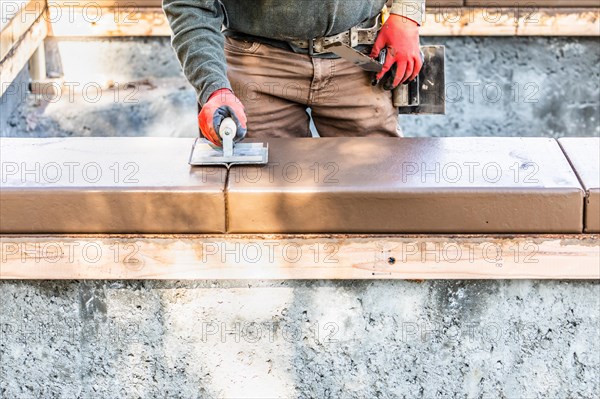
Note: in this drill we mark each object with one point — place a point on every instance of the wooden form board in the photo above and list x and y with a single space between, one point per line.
300 257
16 19
515 3
439 21
529 3
109 22
430 3
107 3
511 21
20 54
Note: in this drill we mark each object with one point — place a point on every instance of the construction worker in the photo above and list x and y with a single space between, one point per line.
268 65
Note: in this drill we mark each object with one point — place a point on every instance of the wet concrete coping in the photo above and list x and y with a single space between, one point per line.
584 155
409 185
320 186
106 185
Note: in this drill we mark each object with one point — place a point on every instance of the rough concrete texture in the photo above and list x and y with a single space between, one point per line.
387 339
513 86
129 87
523 86
10 102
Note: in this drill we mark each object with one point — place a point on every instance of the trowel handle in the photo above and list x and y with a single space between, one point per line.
227 128
227 131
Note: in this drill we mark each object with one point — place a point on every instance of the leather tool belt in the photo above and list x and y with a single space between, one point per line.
353 37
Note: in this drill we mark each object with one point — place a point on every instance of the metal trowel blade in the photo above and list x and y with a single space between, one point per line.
243 154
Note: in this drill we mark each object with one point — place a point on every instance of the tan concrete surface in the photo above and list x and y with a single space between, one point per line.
107 185
408 185
584 155
340 185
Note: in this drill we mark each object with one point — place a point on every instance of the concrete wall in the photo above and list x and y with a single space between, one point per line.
511 339
508 339
12 99
524 86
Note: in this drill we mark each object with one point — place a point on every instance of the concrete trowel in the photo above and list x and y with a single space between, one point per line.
232 153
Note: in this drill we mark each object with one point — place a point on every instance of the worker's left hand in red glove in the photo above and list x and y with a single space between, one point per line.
220 105
400 35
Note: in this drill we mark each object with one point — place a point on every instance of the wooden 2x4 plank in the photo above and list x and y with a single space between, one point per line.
119 21
525 20
300 257
16 19
536 3
21 53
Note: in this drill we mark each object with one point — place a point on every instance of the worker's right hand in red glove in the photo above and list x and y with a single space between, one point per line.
220 105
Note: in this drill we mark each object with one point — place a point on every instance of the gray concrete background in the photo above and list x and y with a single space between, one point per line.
524 86
348 339
12 101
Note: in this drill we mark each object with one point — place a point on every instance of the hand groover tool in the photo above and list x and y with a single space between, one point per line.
232 153
424 95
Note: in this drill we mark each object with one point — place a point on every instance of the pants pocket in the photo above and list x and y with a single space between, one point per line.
241 46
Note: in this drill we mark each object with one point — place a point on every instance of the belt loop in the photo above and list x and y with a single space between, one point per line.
353 36
310 47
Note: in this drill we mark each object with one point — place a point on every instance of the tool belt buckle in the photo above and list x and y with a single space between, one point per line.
350 37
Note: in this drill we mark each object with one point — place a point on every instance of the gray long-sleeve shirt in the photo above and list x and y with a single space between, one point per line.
198 40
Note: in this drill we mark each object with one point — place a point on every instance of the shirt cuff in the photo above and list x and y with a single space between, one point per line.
209 89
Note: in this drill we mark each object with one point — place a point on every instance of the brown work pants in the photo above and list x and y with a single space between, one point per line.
276 86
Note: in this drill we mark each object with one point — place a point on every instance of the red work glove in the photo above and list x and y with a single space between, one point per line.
220 105
400 35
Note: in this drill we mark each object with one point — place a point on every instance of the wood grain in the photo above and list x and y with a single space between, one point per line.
515 21
439 21
111 22
300 257
529 3
19 18
19 55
